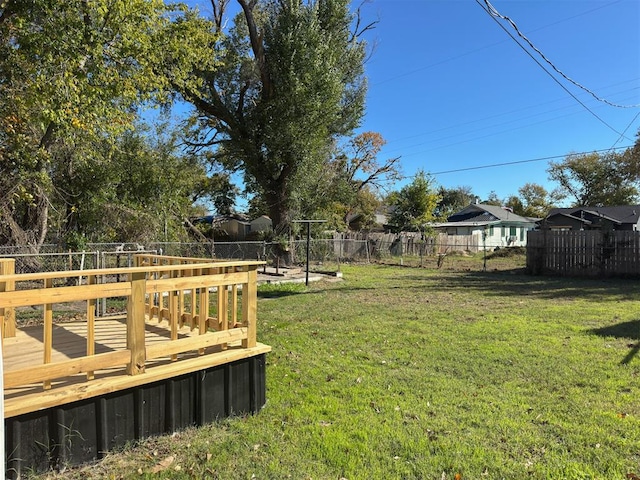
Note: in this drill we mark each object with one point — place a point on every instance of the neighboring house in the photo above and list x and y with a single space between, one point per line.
235 227
230 227
624 217
380 219
261 224
492 226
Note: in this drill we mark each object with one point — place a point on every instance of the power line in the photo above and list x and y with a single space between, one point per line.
461 141
495 14
446 60
486 126
547 71
518 162
625 130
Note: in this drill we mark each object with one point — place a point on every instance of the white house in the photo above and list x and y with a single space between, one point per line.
493 226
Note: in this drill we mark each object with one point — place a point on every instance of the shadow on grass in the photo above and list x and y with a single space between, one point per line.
517 283
630 330
281 290
277 294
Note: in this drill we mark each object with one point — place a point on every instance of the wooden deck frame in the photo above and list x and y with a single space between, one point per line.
173 326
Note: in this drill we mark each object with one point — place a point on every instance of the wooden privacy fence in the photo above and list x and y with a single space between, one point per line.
589 253
180 314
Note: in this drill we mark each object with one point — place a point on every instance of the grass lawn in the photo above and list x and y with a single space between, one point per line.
417 373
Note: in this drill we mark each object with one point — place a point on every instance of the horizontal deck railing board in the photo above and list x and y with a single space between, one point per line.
196 342
67 368
202 281
124 271
25 350
52 295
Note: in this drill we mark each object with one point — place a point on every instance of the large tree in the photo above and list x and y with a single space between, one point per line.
72 73
598 179
289 81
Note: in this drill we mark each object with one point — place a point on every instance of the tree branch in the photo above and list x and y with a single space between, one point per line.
219 7
193 228
215 109
358 29
257 46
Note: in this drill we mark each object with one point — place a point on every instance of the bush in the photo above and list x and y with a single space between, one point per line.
508 252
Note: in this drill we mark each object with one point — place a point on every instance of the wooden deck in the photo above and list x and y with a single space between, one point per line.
182 315
24 351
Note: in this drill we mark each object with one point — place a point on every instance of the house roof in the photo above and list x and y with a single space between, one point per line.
476 214
570 217
261 218
466 224
622 214
220 219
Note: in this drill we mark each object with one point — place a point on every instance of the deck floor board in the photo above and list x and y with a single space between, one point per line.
69 341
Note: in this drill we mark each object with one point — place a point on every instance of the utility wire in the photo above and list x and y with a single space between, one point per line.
495 14
485 126
518 162
425 67
548 72
625 131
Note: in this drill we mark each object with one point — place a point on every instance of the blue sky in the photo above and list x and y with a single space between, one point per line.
450 90
452 93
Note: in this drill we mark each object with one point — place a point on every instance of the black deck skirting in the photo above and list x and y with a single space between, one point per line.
80 432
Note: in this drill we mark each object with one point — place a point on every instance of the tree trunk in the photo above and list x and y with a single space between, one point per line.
281 218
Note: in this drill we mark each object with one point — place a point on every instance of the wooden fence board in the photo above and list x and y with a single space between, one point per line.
590 253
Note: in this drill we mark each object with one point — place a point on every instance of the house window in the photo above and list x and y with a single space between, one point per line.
491 230
513 231
522 233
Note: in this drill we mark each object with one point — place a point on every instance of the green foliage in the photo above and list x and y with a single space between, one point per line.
507 253
72 74
145 190
414 205
536 200
598 179
351 181
289 82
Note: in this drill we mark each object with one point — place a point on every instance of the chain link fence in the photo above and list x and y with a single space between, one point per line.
327 252
325 255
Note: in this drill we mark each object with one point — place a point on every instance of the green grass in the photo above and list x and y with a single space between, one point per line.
414 373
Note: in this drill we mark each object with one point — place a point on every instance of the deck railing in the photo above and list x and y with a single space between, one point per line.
194 307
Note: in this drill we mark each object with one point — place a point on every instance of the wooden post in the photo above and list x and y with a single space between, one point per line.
234 305
174 312
7 315
91 325
136 323
194 300
223 299
203 317
181 309
48 332
250 307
